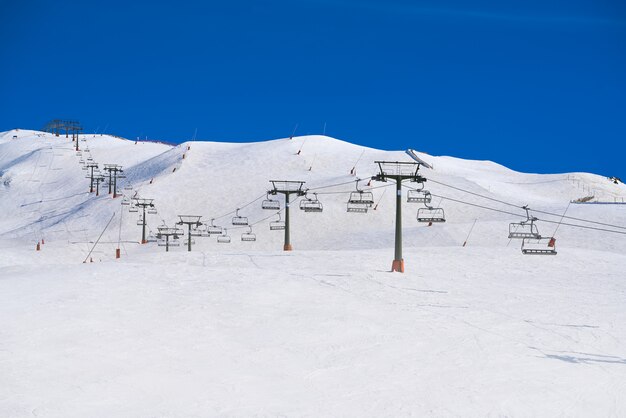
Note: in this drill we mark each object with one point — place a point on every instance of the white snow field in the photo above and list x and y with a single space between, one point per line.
245 329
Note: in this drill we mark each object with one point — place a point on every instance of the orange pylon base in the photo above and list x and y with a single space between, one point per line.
287 247
144 241
398 265
38 248
117 253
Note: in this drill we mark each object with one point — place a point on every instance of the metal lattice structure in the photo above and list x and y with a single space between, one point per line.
398 171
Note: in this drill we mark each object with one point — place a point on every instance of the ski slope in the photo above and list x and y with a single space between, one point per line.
245 329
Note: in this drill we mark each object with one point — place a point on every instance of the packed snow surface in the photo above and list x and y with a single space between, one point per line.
245 329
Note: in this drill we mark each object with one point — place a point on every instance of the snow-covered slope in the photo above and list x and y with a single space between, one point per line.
45 192
246 329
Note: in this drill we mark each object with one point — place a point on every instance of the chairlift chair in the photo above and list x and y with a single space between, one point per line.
125 201
355 207
248 236
151 237
224 238
79 153
430 215
214 229
524 229
140 221
239 220
199 231
128 187
132 208
418 196
270 204
277 225
539 246
152 210
360 197
311 205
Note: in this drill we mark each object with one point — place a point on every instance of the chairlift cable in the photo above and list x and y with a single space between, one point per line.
534 210
523 216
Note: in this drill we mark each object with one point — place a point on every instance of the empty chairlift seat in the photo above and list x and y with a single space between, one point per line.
539 246
213 229
277 225
239 220
125 201
430 214
360 201
418 196
311 204
270 204
248 236
224 238
522 230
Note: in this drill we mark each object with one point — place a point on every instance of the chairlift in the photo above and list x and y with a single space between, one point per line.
224 238
419 196
277 225
199 231
132 208
539 246
125 201
128 187
360 197
248 236
140 221
214 229
79 153
311 205
270 204
239 220
524 229
81 161
430 215
152 210
356 207
151 237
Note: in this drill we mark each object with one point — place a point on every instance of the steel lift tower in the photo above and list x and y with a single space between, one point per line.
166 232
143 203
115 172
91 166
287 188
189 220
398 171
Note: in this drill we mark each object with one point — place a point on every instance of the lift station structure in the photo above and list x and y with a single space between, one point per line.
398 171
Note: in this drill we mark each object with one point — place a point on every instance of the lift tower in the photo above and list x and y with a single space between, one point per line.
189 220
143 203
91 166
287 188
98 179
115 172
166 232
398 171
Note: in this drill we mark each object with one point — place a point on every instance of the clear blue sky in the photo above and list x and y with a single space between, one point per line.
539 86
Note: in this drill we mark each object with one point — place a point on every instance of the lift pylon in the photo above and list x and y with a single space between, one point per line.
398 171
287 188
142 203
190 221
